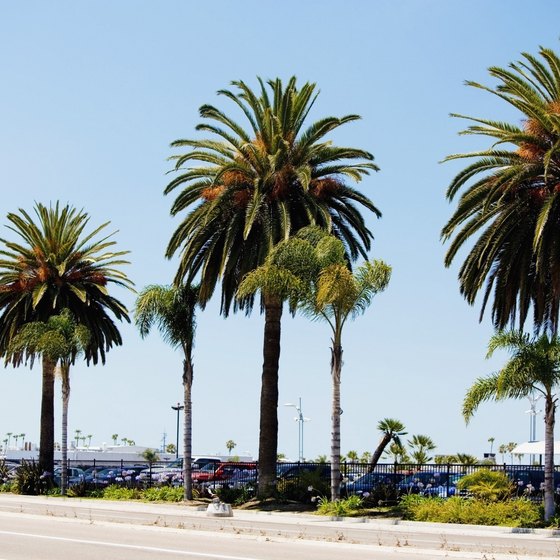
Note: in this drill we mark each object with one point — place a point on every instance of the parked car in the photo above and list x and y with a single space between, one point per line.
73 474
239 479
223 471
372 480
290 471
430 483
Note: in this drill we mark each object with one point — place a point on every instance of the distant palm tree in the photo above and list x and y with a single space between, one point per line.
421 446
534 366
247 189
511 199
352 456
502 450
55 265
115 438
62 341
466 459
391 430
230 444
397 452
172 310
365 457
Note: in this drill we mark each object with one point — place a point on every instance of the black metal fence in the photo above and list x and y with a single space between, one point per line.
301 480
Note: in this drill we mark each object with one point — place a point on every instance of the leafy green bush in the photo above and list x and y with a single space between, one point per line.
5 480
163 494
31 480
517 512
381 494
115 492
298 489
340 508
236 496
488 485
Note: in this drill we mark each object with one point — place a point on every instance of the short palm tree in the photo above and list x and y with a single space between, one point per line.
62 341
56 265
397 452
534 366
420 448
246 189
509 209
172 310
391 431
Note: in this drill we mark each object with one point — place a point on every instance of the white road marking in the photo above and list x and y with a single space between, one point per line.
129 546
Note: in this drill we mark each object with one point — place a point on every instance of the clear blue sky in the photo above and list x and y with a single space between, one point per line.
91 95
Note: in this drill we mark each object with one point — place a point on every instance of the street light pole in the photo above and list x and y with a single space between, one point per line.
178 408
300 419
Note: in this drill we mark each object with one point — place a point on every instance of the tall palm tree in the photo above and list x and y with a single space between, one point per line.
56 265
340 295
534 366
62 340
253 188
391 431
509 208
172 310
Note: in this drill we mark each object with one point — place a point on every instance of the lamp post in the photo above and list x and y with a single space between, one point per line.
533 419
300 419
178 408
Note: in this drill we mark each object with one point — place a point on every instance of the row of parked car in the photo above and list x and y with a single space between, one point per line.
215 474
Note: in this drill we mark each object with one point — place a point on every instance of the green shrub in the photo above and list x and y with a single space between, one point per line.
115 492
31 480
298 489
164 494
340 508
488 485
380 495
517 512
237 496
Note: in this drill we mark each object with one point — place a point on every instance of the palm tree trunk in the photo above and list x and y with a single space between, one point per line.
187 428
268 435
336 368
46 442
379 450
65 374
549 419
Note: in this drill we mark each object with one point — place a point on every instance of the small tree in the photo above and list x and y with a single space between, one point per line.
151 456
230 444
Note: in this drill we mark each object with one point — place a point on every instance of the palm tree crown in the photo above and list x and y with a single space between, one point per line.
255 188
56 266
511 199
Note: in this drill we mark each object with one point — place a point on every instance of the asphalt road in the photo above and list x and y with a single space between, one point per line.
36 528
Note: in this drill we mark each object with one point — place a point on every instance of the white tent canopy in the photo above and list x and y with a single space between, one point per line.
534 448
